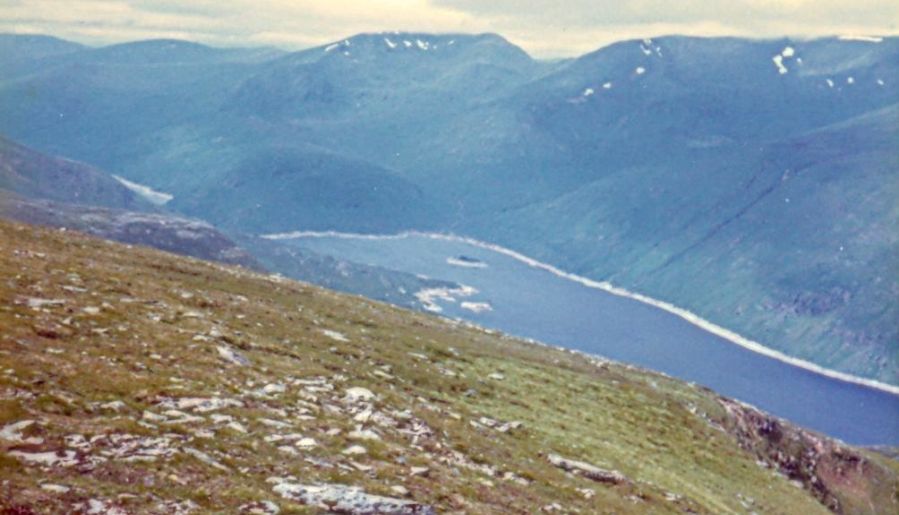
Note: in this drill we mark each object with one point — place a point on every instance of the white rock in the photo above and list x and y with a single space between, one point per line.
271 389
358 394
334 335
355 450
65 458
57 489
13 433
363 434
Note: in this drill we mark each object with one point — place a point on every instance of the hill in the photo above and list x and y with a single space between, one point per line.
217 389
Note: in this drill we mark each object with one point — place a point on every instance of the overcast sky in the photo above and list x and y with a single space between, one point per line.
545 28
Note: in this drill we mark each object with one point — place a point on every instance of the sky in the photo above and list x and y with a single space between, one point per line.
545 28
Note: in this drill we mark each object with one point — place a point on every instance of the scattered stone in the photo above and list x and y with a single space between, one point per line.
15 433
260 508
274 423
99 507
348 499
232 356
399 490
56 489
306 443
237 426
37 303
62 458
509 426
358 394
587 470
205 458
419 471
355 450
114 406
201 404
363 434
496 376
334 335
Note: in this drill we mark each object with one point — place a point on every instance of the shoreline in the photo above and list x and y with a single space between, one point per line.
607 287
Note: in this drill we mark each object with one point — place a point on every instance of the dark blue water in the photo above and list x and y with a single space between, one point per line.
537 304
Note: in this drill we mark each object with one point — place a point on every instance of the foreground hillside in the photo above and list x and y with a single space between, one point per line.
138 382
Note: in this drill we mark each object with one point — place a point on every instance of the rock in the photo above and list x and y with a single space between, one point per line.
358 394
587 470
201 404
15 433
419 471
399 490
66 458
232 356
348 499
100 507
354 450
306 443
56 489
509 426
237 426
363 434
153 417
334 335
271 389
205 458
496 376
36 303
114 406
260 508
588 493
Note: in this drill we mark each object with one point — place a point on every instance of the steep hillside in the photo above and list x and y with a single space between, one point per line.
216 389
36 175
791 244
162 231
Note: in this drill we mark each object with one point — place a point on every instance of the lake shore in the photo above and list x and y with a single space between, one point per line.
684 314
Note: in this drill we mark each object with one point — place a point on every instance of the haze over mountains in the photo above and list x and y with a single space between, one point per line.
752 182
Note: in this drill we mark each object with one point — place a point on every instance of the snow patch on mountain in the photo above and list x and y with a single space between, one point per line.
868 39
158 198
780 59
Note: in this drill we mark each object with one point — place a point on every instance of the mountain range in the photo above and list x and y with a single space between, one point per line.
752 182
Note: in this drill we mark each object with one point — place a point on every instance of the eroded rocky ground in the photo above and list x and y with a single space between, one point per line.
132 381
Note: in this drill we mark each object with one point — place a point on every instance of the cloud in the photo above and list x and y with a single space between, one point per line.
543 27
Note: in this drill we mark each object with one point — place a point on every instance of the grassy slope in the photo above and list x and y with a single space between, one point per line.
155 337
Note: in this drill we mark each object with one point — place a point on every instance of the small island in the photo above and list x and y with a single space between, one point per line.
466 261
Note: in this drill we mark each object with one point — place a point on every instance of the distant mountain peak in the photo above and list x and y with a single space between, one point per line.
416 42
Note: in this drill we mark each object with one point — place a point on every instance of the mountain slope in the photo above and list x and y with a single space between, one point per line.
791 246
216 389
36 175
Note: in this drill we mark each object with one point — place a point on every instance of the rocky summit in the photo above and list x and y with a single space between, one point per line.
135 381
